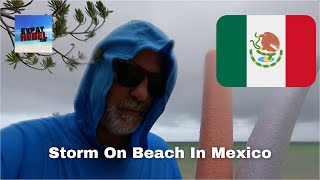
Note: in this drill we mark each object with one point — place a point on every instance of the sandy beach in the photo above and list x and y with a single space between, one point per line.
33 48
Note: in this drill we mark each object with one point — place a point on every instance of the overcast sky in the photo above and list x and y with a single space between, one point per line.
27 93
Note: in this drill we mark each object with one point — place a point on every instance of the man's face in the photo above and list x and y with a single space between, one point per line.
127 106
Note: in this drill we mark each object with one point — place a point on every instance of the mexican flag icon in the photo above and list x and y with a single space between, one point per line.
266 51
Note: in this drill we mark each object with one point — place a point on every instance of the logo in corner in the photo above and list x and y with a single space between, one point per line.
33 34
266 47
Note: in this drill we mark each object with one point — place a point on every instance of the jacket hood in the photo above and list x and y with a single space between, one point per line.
124 43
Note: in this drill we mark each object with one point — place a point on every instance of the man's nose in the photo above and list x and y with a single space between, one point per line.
140 92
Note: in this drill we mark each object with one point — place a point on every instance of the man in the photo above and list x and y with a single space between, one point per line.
122 94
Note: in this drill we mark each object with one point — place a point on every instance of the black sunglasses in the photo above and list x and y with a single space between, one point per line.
129 74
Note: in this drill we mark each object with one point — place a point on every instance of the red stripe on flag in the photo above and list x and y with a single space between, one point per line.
300 51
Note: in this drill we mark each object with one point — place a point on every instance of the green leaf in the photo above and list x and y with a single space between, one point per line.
59 27
30 58
34 60
90 34
72 64
81 55
29 55
79 17
95 21
91 10
58 6
14 5
72 58
98 56
13 58
102 10
48 62
56 114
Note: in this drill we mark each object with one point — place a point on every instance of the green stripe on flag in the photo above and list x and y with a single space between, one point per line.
232 51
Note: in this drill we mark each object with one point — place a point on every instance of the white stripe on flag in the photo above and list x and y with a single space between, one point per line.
273 76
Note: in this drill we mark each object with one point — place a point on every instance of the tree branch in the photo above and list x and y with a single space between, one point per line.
3 27
8 31
27 63
63 56
58 8
100 25
76 28
70 49
4 14
84 32
17 7
39 54
71 61
78 38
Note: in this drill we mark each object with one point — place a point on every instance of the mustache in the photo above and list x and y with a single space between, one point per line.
133 105
129 104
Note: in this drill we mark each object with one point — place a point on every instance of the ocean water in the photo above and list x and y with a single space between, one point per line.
301 162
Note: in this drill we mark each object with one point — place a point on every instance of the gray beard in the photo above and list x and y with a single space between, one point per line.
119 123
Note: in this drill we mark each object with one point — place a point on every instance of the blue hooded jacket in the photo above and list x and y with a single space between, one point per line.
25 145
